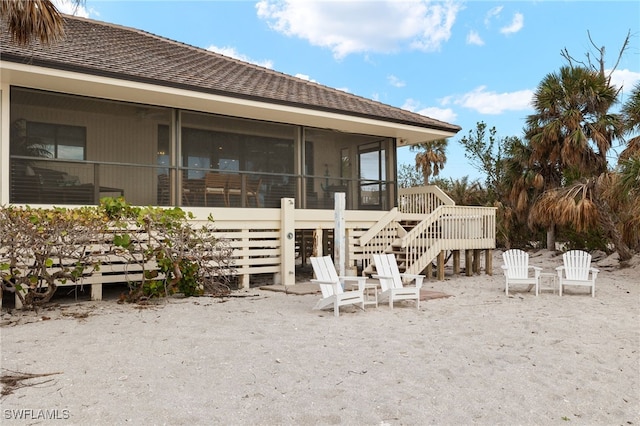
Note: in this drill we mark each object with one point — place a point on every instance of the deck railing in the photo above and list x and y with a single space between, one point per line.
264 239
448 228
422 199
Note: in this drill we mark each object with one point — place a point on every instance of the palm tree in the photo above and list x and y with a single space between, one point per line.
432 157
583 206
571 131
624 193
465 193
631 117
572 121
33 19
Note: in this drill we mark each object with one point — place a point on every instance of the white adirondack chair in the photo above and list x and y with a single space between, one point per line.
331 285
576 268
391 280
516 270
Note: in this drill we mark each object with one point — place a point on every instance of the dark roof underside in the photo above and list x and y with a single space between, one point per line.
109 50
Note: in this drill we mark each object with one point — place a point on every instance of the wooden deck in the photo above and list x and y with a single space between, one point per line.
273 241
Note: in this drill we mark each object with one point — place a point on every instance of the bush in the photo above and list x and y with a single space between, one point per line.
191 260
40 248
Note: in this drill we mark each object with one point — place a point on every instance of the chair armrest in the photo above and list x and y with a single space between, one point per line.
386 281
412 276
351 278
415 277
383 277
536 271
362 281
324 282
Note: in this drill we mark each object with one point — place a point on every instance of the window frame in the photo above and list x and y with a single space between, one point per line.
58 138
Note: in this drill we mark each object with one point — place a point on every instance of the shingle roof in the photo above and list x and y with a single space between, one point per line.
104 49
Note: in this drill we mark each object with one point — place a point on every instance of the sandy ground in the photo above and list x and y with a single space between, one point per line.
477 357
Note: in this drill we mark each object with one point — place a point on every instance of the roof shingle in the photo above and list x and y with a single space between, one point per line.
104 49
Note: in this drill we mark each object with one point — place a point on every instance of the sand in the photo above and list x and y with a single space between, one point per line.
477 357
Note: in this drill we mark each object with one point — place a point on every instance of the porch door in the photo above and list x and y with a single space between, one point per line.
372 167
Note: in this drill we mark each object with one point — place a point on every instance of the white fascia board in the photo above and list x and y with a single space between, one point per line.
123 90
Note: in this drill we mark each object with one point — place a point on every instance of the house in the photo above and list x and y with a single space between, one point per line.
111 111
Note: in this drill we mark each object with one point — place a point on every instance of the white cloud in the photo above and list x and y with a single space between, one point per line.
516 24
624 78
493 13
305 77
233 53
486 102
395 81
442 114
72 8
348 27
474 38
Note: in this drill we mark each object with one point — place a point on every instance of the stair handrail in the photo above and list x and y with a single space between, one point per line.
389 217
418 244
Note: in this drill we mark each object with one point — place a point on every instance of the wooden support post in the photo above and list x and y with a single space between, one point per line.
476 261
18 302
456 262
441 265
287 241
468 262
339 234
245 281
488 262
245 278
429 271
317 243
96 291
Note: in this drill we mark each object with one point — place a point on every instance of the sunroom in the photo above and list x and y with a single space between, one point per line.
70 149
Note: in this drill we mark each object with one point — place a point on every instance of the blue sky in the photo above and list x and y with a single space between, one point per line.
461 62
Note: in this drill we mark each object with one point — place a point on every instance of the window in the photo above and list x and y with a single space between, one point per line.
61 141
372 167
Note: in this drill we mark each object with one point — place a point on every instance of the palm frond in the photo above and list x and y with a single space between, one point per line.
30 19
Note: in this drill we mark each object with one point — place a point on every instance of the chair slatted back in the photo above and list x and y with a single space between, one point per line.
324 270
215 180
235 182
387 266
517 262
577 264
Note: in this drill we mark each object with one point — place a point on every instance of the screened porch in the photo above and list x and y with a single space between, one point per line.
67 149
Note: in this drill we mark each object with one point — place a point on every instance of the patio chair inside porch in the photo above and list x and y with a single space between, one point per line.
216 185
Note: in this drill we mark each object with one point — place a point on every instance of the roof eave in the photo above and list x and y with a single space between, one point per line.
55 76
